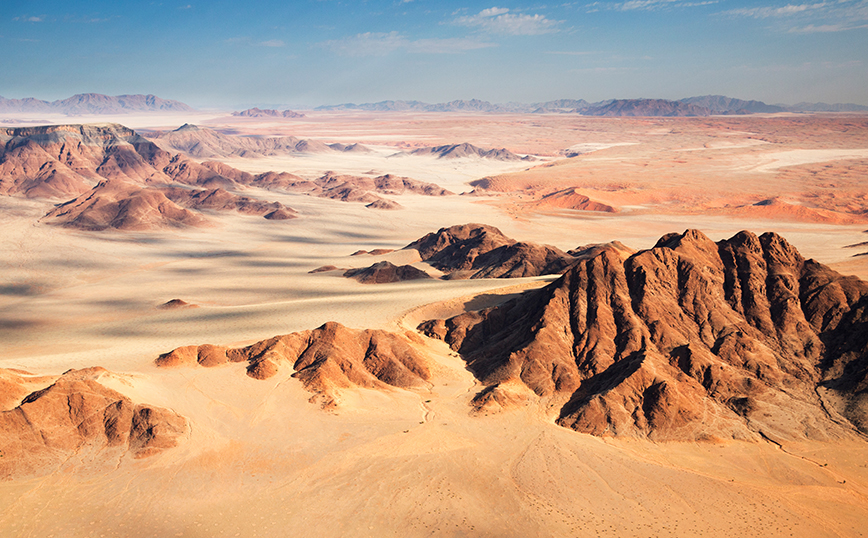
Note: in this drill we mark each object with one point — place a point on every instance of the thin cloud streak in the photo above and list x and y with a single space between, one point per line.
817 17
783 11
381 44
645 5
825 28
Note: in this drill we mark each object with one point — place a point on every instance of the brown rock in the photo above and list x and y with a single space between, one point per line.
481 251
283 213
323 269
328 359
76 415
176 304
208 355
182 356
222 200
384 204
113 204
688 340
386 272
571 199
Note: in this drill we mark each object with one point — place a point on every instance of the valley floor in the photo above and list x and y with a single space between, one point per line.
261 460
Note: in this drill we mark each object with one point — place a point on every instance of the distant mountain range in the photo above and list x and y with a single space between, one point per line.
267 113
705 105
94 103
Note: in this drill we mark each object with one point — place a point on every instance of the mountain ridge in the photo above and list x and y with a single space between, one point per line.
704 105
689 340
95 103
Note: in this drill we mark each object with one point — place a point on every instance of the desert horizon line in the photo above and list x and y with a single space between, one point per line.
155 103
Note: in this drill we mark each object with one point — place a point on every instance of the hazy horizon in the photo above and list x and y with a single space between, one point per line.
329 52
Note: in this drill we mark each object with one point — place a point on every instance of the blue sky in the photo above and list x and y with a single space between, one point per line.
230 53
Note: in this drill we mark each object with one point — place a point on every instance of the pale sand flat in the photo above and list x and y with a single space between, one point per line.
263 461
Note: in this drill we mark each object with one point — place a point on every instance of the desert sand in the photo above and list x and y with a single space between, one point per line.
261 459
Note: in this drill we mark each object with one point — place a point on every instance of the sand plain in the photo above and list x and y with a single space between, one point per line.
261 460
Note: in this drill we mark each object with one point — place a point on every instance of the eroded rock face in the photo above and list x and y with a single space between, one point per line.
325 359
688 340
386 272
78 419
482 251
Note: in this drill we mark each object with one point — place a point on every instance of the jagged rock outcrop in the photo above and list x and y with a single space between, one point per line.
691 339
386 272
326 359
77 417
482 251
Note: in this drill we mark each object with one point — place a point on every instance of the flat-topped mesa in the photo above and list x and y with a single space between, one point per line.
77 416
62 160
482 251
691 339
326 359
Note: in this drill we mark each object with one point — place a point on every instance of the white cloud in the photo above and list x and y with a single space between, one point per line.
498 20
29 19
782 11
380 44
810 18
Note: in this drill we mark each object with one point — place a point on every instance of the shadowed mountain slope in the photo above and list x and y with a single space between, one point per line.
691 339
386 272
481 251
